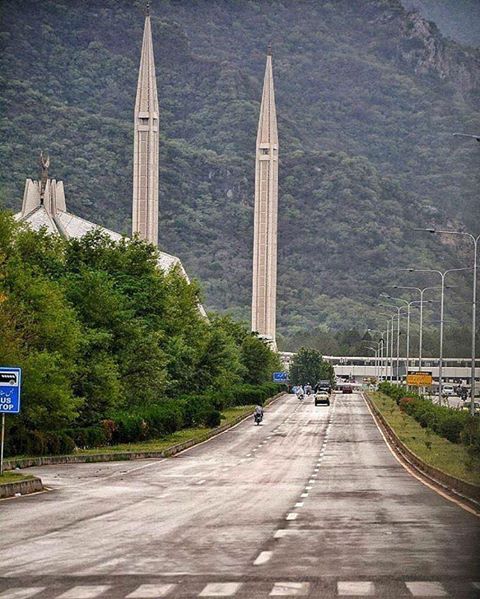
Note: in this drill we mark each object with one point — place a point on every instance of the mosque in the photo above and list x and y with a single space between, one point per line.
44 203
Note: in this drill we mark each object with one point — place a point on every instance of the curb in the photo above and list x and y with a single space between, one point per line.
22 487
118 456
460 489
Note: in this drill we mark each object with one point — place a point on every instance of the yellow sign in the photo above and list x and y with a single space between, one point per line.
419 379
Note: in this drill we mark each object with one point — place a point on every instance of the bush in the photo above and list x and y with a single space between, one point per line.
453 425
213 419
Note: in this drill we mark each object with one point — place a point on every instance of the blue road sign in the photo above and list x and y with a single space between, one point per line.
280 377
10 383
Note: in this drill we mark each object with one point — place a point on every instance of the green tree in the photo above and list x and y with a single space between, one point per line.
308 366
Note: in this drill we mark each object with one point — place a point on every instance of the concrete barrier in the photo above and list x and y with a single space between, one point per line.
466 491
115 456
21 487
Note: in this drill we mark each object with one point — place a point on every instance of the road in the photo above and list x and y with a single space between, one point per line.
311 503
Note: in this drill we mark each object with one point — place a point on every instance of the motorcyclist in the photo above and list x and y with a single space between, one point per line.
258 412
300 392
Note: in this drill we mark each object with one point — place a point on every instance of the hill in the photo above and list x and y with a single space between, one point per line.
368 95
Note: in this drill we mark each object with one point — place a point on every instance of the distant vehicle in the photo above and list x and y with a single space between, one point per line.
346 388
323 386
476 406
448 390
322 399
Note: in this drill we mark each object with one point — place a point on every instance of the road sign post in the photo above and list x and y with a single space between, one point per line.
10 386
419 379
280 377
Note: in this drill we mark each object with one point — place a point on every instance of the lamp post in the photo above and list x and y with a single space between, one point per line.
421 291
442 303
389 346
397 308
392 329
474 294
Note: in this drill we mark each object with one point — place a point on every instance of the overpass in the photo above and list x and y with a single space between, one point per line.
455 370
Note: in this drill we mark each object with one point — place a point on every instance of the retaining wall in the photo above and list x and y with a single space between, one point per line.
22 487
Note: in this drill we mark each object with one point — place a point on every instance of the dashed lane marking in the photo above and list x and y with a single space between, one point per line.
85 592
21 593
220 589
280 533
299 504
201 482
292 516
150 591
290 589
426 589
304 495
355 588
263 558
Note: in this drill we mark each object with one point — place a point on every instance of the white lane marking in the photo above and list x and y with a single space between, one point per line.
299 504
249 455
280 533
316 469
21 593
292 516
356 588
426 589
200 482
311 481
290 589
147 591
304 495
263 558
85 591
220 589
254 449
309 488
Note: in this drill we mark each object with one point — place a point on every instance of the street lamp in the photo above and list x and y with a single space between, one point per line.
442 303
474 295
388 346
421 291
397 308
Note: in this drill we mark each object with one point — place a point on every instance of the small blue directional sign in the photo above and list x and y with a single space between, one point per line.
10 383
280 377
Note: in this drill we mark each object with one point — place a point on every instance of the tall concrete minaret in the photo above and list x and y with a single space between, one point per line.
145 145
264 295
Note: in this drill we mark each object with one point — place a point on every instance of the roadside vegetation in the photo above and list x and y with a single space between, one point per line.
14 477
443 438
113 350
308 366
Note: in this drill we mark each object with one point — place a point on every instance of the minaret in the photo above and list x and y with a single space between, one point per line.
264 293
145 145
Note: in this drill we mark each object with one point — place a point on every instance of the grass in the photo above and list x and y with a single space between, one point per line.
13 477
452 458
198 434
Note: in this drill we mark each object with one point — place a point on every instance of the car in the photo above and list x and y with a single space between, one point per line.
322 398
476 406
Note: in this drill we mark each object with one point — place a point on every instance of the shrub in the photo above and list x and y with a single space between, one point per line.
213 419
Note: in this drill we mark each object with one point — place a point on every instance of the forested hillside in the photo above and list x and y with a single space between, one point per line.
367 98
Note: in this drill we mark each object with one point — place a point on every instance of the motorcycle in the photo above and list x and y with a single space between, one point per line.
301 396
258 418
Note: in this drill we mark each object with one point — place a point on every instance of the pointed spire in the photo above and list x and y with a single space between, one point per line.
267 128
264 292
146 138
147 99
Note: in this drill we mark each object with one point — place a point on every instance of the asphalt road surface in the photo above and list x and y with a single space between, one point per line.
311 503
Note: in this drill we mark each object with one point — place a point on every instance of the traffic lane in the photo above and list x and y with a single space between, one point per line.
81 491
367 516
160 520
